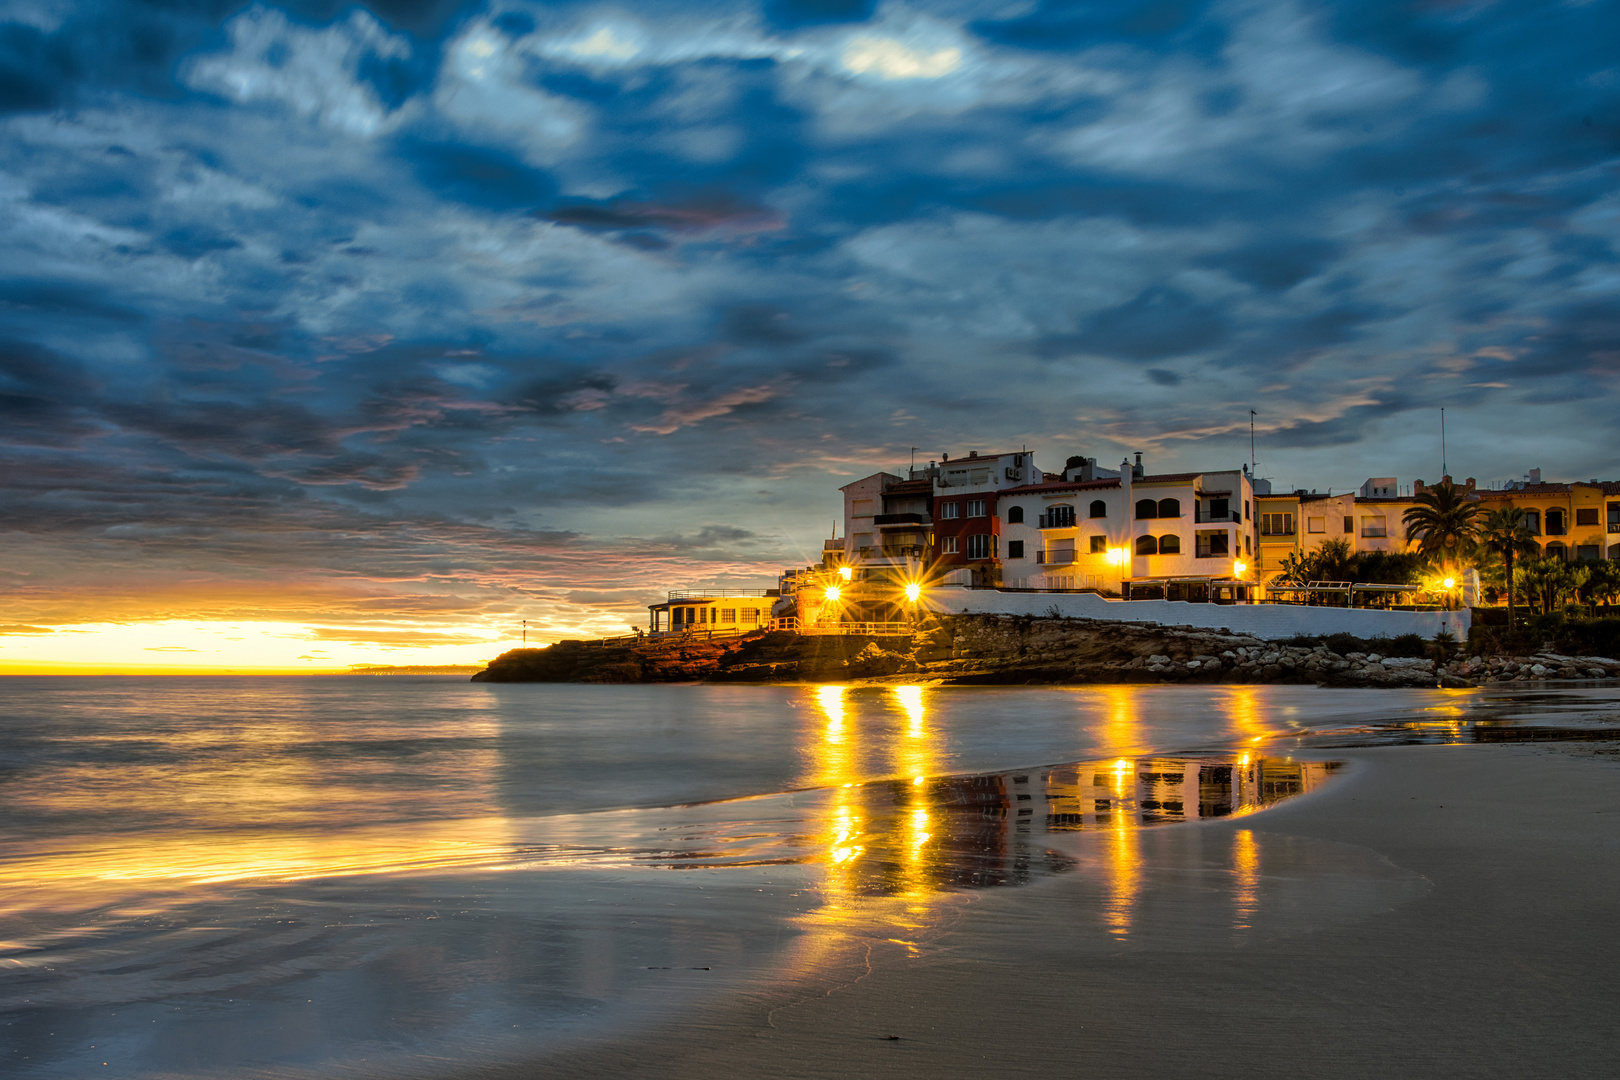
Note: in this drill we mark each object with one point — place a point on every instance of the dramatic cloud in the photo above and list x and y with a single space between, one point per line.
406 322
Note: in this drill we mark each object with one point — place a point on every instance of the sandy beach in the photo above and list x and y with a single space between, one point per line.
1438 911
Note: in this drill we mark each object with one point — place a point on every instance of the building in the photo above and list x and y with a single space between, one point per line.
712 611
967 528
1175 535
1299 522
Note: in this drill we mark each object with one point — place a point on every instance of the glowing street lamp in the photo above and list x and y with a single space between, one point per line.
832 594
845 572
913 592
1240 568
1118 556
1450 583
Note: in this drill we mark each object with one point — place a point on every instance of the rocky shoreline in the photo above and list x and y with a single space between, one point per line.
1007 650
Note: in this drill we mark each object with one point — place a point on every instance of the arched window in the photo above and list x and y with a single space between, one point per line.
1169 507
1558 551
1015 515
1099 508
1147 508
1147 545
1170 544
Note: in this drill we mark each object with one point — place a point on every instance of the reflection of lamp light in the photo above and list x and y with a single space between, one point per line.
832 594
1450 583
913 592
845 572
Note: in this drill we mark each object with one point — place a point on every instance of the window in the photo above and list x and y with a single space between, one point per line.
1099 545
1532 522
1170 545
975 508
1015 515
1060 516
1316 525
1219 510
863 540
1015 549
947 545
703 614
1147 508
1245 509
950 510
979 476
1248 547
1614 552
750 616
1060 552
1587 515
1213 545
1555 523
1614 517
862 508
1349 526
1592 552
1169 507
1276 524
1374 526
978 546
728 615
1557 551
1099 509
1147 545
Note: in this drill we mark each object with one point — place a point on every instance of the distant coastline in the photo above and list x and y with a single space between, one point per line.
412 669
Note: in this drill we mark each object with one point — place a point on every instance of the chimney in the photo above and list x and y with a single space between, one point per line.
1534 477
1137 471
1417 487
1470 483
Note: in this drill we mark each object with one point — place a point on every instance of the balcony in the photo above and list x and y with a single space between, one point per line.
1057 557
1201 516
902 519
1057 520
1614 526
1374 531
893 551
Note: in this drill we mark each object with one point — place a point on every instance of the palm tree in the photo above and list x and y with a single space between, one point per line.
1506 532
1442 522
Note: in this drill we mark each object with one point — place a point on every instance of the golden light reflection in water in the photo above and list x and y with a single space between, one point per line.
1245 709
1246 871
1124 877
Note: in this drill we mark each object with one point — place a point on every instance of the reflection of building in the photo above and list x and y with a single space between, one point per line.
989 829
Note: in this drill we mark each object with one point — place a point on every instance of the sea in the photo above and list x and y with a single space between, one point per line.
398 876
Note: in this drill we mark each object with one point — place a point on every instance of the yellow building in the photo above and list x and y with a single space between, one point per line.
1569 521
1299 522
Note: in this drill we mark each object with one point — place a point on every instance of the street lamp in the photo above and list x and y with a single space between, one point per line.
832 594
845 572
913 592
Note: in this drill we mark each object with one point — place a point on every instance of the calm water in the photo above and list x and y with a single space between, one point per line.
374 876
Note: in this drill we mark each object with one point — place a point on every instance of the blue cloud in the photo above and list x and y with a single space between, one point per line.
497 270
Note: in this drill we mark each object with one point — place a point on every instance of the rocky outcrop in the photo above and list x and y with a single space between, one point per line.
1008 650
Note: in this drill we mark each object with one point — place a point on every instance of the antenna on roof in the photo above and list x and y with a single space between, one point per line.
1443 470
1251 442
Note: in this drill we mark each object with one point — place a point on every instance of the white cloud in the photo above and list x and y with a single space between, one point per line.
1289 93
891 59
312 72
482 85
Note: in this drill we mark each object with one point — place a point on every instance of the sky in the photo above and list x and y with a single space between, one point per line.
339 335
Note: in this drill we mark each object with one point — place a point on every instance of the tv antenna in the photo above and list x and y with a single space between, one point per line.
1443 470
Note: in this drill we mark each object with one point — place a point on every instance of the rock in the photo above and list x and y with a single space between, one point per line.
1595 673
1538 670
1374 658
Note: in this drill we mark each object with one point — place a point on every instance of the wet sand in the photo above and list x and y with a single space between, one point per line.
1439 911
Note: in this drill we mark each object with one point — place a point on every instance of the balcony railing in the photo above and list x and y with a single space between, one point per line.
1374 531
1201 516
1057 521
893 551
703 594
1058 557
902 519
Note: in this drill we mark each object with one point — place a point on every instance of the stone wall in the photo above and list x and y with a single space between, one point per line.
1270 622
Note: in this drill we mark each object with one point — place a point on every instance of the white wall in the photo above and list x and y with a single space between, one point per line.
1267 621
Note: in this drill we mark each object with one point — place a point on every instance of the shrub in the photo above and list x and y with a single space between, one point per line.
1342 643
